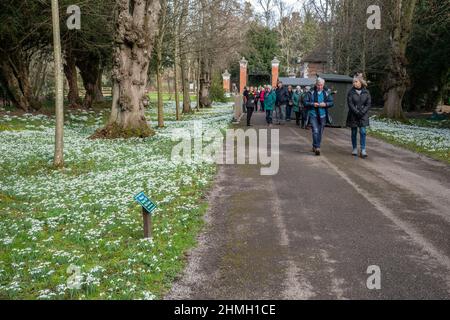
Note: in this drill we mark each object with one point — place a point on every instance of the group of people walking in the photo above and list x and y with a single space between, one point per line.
310 106
279 102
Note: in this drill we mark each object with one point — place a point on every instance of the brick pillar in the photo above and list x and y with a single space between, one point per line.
243 75
226 81
275 71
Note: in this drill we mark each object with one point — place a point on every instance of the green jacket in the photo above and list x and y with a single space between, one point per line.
296 97
269 101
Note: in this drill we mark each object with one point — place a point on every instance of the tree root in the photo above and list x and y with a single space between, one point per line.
114 131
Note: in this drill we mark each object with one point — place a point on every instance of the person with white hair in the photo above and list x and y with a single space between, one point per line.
359 102
318 101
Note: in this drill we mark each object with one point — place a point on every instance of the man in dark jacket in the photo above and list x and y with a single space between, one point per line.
359 102
281 103
317 101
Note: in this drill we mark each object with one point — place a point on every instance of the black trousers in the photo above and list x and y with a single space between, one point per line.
298 115
249 114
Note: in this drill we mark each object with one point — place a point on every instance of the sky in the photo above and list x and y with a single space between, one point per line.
289 2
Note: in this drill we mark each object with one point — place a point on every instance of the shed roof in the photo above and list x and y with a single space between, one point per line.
303 82
335 77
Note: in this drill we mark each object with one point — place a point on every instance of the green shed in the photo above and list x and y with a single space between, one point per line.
340 85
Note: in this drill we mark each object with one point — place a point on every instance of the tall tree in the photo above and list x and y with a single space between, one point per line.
159 48
176 49
59 87
428 54
397 80
267 8
183 47
22 35
136 24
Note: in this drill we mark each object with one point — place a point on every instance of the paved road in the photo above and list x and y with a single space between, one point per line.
312 231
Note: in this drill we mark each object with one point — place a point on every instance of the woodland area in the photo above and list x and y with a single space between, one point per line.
406 60
196 40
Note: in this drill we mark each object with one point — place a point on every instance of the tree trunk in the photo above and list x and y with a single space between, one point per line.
70 71
197 76
40 81
98 88
160 94
205 83
136 28
397 79
175 62
15 72
59 88
159 68
185 85
184 63
175 77
89 66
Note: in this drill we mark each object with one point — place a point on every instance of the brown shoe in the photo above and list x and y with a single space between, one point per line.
317 152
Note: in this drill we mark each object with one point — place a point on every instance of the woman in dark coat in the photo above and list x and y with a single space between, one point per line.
359 102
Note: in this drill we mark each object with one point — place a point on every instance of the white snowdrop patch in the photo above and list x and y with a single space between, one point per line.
84 215
427 138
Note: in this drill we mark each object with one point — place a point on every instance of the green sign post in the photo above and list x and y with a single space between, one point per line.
147 208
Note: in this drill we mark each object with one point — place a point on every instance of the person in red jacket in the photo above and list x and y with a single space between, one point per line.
262 96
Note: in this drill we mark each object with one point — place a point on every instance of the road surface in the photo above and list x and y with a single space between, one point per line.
312 230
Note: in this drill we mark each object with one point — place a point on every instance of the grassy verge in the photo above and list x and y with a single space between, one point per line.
83 218
422 136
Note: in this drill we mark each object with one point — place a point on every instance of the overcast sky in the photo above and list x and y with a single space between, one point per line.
296 3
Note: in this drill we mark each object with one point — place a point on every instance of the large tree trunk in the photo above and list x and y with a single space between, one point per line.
183 62
89 66
397 80
70 71
136 27
14 68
